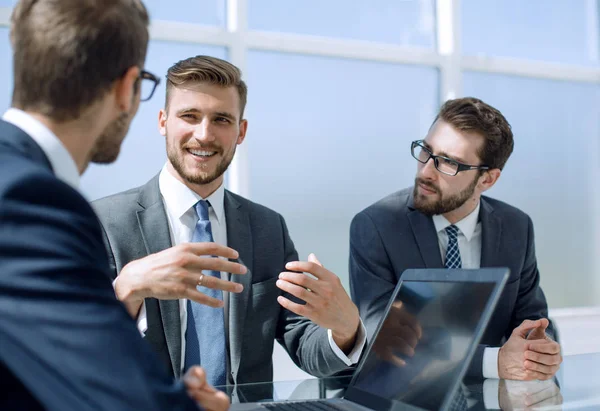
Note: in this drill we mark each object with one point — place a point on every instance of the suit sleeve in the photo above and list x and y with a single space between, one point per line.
305 342
372 277
531 303
63 333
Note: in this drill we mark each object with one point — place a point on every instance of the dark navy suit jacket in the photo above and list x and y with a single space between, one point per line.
391 236
66 343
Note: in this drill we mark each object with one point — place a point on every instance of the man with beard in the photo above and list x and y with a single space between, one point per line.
66 343
445 221
224 321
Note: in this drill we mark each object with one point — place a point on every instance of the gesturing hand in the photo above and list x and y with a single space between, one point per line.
175 272
203 393
327 303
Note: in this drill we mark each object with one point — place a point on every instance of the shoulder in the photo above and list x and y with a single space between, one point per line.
255 210
117 202
389 207
506 212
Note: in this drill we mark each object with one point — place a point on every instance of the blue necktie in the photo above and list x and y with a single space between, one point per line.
453 259
205 335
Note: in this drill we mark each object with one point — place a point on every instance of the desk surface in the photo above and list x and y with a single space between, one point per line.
578 379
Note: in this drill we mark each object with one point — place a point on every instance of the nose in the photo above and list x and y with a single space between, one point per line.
428 170
203 131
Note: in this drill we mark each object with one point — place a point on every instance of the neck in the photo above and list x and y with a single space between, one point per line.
203 190
78 136
464 210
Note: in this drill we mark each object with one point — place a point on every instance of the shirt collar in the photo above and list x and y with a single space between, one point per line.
62 163
179 198
466 226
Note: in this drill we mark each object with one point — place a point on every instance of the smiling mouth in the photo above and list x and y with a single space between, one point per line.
201 153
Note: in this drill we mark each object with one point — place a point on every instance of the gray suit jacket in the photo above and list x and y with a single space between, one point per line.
391 236
135 225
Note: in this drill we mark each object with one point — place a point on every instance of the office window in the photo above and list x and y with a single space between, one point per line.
328 137
552 175
7 3
6 71
208 12
408 22
143 152
562 31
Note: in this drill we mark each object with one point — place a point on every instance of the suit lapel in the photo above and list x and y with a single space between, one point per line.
491 231
426 236
154 227
239 237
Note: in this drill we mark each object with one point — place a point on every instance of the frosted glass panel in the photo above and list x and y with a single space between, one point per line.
327 137
6 71
407 22
552 30
553 175
209 12
143 153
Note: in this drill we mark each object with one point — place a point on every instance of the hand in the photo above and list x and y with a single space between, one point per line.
203 393
327 303
529 395
399 334
174 273
523 359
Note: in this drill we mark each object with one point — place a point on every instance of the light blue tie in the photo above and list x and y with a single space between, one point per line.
205 335
453 259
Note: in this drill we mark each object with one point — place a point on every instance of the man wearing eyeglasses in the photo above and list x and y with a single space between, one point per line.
445 221
66 343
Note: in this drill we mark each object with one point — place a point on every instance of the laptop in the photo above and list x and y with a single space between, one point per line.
422 346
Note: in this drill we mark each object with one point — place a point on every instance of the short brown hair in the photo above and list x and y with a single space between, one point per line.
67 53
473 115
206 69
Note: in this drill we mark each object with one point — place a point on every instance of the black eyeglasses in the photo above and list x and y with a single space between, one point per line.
149 83
443 164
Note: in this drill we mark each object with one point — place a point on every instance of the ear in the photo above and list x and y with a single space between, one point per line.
162 122
489 178
126 89
243 129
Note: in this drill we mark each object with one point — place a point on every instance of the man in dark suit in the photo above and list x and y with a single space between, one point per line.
148 233
444 221
66 342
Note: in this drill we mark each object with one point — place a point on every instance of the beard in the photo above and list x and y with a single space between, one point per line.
444 204
108 145
198 176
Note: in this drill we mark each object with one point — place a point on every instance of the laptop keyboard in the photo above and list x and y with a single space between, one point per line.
301 406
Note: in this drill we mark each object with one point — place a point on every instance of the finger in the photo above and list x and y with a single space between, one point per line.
215 264
525 326
544 347
195 378
310 267
313 259
302 280
541 368
303 310
394 359
196 296
547 359
210 248
215 283
211 401
549 391
297 291
536 375
399 344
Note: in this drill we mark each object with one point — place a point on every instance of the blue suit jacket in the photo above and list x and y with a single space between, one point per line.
66 343
391 236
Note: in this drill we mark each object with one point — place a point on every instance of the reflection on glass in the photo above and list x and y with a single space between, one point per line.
423 342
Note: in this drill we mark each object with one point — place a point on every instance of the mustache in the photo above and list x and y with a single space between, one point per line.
420 181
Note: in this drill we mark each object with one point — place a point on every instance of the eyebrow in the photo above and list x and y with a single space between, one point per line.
217 114
444 154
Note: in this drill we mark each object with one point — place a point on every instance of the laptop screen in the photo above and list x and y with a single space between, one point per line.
421 346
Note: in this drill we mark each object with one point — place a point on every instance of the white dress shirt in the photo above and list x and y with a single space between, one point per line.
179 203
469 245
60 159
